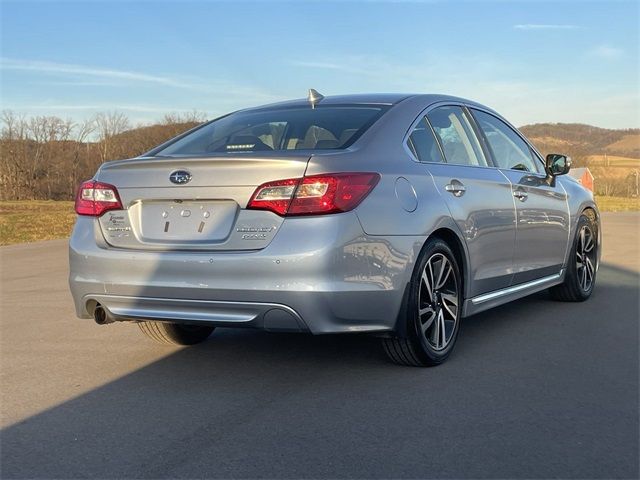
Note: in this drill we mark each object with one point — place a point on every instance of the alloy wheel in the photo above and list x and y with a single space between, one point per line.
438 302
585 258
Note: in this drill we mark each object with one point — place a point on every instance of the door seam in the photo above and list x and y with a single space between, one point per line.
515 238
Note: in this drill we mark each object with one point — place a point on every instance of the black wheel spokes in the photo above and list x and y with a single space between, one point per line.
585 258
438 301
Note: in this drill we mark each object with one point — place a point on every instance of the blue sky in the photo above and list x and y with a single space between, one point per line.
534 61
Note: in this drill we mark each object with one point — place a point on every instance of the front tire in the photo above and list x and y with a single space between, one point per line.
433 309
175 334
580 278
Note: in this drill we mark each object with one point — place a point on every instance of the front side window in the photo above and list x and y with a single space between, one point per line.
456 135
423 144
509 150
299 128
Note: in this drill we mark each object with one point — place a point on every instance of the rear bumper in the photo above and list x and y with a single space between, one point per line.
267 316
320 274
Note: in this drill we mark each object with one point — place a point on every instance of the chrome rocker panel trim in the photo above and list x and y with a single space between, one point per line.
489 300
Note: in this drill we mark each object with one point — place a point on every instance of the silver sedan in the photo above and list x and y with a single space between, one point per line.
391 214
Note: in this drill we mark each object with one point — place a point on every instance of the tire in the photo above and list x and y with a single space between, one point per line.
580 278
175 334
432 315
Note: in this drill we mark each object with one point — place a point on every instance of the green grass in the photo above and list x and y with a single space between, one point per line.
618 204
34 220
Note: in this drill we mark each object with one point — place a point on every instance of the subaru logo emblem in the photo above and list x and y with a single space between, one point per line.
180 177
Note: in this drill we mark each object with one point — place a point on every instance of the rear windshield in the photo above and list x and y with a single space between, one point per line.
300 128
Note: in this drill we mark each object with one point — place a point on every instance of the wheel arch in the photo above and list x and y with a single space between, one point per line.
456 243
451 238
592 212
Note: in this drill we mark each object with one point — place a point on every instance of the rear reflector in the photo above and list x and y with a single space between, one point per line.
95 198
314 195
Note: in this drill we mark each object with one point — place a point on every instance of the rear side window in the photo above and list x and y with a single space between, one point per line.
456 135
423 144
300 128
509 150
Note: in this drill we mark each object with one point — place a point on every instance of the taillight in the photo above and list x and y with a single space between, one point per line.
95 198
274 196
314 195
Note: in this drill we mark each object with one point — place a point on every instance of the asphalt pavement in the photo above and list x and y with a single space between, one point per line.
534 389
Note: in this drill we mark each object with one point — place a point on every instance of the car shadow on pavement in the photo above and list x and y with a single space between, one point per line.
527 393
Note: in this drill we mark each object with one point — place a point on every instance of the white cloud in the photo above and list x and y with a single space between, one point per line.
84 71
88 75
545 26
606 52
52 107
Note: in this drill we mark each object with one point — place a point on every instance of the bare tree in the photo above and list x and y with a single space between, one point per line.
81 152
13 151
109 125
174 118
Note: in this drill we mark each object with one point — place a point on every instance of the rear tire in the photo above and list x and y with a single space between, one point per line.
175 334
580 278
433 310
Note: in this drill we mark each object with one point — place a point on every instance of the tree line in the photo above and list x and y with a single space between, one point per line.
47 157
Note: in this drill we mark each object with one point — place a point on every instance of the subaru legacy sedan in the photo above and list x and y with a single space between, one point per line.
397 215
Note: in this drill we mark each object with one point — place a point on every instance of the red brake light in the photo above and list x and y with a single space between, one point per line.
95 198
314 195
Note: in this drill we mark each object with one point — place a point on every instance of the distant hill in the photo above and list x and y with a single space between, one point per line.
38 166
575 139
613 156
581 141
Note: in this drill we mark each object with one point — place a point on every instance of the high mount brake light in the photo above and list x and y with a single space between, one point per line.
95 198
314 195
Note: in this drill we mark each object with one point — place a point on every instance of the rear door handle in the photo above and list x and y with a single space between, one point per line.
455 187
520 195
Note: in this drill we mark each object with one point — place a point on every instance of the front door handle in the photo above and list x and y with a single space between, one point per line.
520 195
456 187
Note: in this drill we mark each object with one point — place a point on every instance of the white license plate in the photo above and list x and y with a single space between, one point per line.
187 221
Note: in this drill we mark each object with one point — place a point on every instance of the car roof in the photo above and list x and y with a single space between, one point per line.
358 98
366 99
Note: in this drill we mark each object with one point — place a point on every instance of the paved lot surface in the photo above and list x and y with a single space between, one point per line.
535 389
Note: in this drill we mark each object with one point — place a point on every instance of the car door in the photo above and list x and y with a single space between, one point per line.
542 230
478 197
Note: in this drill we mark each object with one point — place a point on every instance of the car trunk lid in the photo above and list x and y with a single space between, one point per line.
205 212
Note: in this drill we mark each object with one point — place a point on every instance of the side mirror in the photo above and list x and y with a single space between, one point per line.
557 164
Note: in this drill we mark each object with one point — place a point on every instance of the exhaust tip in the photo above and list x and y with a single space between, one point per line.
100 316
